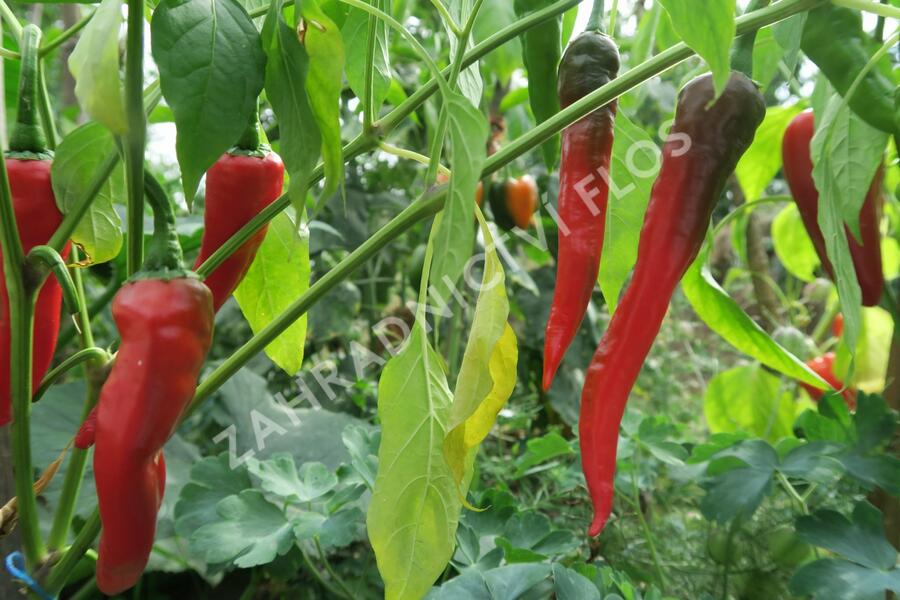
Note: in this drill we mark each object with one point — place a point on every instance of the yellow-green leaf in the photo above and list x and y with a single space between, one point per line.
415 507
792 244
278 275
94 64
762 160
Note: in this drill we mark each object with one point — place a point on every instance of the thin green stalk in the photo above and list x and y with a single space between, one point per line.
135 139
414 213
21 322
648 535
10 19
44 259
410 155
613 15
66 35
369 109
82 356
747 206
446 16
60 572
62 520
68 334
337 578
883 10
87 591
321 580
595 21
46 109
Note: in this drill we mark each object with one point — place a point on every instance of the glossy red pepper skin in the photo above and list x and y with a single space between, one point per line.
238 187
823 366
37 218
691 181
866 254
590 61
166 328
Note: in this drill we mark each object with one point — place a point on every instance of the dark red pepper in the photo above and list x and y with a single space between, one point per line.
37 218
165 318
702 151
866 253
238 187
590 61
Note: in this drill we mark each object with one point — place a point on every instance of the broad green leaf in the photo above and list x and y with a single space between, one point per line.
762 161
766 57
355 33
890 257
861 540
278 475
278 276
469 82
212 480
835 579
415 507
724 316
749 399
541 450
78 156
455 234
571 585
211 71
251 531
741 476
634 165
324 82
708 30
792 244
503 61
872 352
788 34
94 64
846 153
286 73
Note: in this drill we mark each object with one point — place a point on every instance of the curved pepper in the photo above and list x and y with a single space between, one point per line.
37 219
590 61
513 202
165 318
238 187
866 254
701 153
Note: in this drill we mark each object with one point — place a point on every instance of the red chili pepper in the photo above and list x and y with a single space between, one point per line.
238 187
589 62
866 254
37 218
701 153
837 326
823 366
165 318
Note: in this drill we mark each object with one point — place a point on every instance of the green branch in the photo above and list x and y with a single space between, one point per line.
65 35
83 541
82 356
883 10
369 88
136 137
43 260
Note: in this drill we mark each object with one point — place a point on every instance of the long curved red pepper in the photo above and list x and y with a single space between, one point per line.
702 151
590 61
866 254
165 318
37 218
238 187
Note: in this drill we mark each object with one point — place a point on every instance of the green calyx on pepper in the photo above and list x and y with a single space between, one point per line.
27 141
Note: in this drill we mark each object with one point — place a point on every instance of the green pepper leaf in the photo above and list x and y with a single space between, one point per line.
792 244
211 68
762 161
277 277
709 32
78 156
724 316
635 163
356 35
95 66
300 142
454 236
324 81
415 507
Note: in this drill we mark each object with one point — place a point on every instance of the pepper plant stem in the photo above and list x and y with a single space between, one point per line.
83 541
135 139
